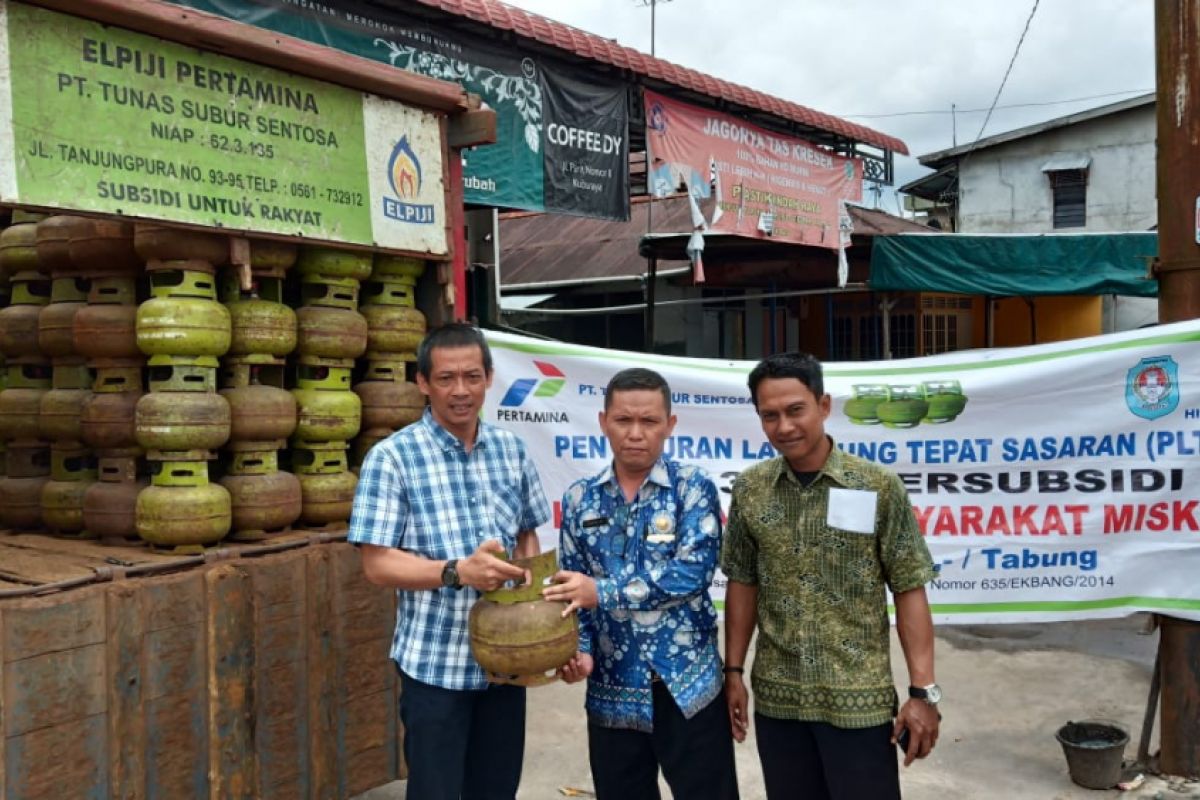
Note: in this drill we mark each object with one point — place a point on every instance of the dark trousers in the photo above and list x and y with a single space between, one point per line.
817 761
696 755
462 745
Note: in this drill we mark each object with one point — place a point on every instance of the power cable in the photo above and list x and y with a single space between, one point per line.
1008 71
998 108
996 99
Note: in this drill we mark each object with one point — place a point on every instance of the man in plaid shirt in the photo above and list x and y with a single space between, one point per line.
436 502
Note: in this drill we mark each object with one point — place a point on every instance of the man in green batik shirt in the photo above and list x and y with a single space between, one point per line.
813 538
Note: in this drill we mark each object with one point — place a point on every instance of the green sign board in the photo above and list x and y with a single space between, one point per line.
100 119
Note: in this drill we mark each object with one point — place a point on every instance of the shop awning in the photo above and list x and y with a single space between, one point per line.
1007 265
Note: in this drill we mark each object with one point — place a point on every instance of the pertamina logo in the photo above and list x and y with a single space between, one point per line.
1152 387
523 389
404 176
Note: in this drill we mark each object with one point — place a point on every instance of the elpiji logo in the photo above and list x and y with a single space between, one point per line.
404 176
549 385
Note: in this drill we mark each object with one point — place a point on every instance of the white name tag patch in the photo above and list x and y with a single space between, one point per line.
852 510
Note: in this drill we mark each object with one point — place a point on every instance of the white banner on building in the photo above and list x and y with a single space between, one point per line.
1051 482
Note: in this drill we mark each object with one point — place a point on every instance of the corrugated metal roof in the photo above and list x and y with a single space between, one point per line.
606 51
551 249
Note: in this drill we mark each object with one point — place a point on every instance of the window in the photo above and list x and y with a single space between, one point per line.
945 323
841 339
903 335
1069 187
856 327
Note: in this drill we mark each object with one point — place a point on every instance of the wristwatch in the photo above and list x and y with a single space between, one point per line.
450 575
931 694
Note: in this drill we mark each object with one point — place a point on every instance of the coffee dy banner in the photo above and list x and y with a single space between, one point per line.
96 118
761 184
1051 482
562 141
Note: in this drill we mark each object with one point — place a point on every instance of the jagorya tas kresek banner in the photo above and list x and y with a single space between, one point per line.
1050 482
750 181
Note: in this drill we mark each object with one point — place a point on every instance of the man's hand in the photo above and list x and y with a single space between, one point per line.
483 571
578 668
738 700
921 719
574 588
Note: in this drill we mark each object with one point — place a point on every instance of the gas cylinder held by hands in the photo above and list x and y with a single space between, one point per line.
518 637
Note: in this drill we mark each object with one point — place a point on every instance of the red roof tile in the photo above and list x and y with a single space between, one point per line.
596 48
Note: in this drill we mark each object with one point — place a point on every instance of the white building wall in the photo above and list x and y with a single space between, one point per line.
1003 188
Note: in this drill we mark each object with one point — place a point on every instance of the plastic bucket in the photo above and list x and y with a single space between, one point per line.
1095 750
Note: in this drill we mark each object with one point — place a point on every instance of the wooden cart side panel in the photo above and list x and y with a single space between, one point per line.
174 688
266 677
319 615
281 714
126 654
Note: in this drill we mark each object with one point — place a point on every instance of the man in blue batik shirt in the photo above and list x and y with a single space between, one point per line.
639 545
437 502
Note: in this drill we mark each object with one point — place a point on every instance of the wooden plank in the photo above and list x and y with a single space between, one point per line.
368 769
322 676
172 600
230 634
211 33
367 722
54 688
370 731
33 558
369 714
126 671
280 707
472 128
3 715
177 752
44 625
173 687
42 567
91 549
60 761
373 669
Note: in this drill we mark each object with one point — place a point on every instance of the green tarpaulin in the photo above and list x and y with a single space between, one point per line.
1005 265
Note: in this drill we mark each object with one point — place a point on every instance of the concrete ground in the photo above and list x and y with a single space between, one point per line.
1008 688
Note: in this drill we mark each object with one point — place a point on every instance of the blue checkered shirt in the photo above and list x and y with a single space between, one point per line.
421 491
653 560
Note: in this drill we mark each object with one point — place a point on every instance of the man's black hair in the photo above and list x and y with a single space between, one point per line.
453 334
801 366
634 379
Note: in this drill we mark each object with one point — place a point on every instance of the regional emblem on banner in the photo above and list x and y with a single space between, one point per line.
1152 387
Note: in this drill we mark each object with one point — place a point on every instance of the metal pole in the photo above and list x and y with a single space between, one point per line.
1177 50
651 279
652 5
885 306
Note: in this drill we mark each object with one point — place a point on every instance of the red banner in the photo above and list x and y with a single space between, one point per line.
747 180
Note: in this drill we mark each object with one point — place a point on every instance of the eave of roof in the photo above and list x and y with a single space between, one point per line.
606 51
933 186
941 157
542 251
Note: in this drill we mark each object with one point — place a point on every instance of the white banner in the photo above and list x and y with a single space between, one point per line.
1051 482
